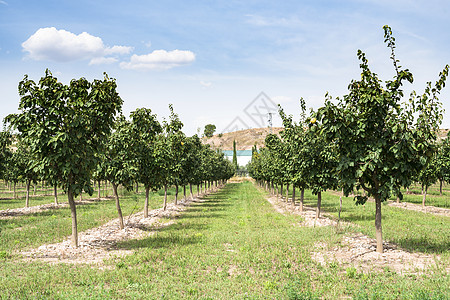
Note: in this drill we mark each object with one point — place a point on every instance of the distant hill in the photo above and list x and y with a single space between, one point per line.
245 139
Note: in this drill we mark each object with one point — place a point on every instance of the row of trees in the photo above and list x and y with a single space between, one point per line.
368 140
72 135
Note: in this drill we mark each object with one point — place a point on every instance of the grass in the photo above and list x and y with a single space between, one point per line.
232 246
413 231
45 195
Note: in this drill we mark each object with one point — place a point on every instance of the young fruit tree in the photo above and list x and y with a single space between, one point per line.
119 163
145 128
65 126
381 143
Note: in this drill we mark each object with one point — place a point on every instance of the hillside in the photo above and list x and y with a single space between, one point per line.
245 139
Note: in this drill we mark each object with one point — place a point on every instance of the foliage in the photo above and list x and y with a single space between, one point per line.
209 130
381 144
65 126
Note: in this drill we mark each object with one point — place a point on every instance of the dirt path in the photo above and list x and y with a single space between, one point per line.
428 209
411 206
16 212
308 213
98 244
357 250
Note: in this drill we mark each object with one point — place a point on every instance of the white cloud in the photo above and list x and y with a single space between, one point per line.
281 99
118 50
159 59
64 46
264 21
3 2
103 61
206 84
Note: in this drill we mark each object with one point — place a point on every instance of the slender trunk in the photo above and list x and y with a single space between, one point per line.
81 196
73 211
106 188
176 194
99 191
165 197
281 191
293 194
302 197
440 187
55 193
14 195
27 197
34 191
190 190
184 192
278 191
119 211
319 202
378 231
424 191
287 192
198 191
147 192
137 187
340 206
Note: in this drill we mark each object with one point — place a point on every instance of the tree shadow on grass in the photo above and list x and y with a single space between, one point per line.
423 245
184 232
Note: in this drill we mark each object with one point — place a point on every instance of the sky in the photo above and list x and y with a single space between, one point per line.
227 63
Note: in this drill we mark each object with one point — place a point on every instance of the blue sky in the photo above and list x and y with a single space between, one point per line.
210 59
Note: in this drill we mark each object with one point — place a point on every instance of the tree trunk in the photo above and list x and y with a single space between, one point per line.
147 192
293 194
184 192
119 211
198 191
287 192
176 194
424 191
302 197
55 193
440 187
99 191
106 188
73 211
27 197
165 197
137 187
34 191
340 207
281 191
319 202
14 195
378 231
190 190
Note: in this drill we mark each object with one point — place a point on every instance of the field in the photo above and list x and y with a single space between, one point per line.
231 244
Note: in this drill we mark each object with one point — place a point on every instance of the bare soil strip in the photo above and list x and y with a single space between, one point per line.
98 244
427 209
357 250
16 212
